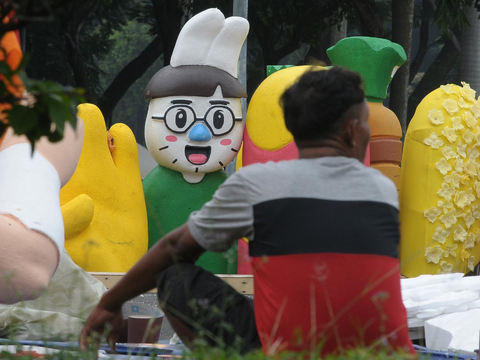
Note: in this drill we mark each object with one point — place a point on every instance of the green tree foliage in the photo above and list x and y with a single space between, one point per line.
444 50
46 106
50 107
450 14
75 41
106 46
276 30
82 39
128 42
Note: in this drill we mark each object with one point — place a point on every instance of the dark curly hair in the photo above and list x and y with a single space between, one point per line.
316 106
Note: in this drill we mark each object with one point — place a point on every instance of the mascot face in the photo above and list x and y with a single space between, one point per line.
193 134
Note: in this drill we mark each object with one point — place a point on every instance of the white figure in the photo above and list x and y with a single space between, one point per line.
194 125
198 129
31 224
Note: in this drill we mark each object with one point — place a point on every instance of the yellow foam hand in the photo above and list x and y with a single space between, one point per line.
77 215
103 204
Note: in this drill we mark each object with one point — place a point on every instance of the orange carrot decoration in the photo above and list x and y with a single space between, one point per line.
10 51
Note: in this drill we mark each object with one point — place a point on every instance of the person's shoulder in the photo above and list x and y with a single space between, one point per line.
263 169
259 177
384 187
379 179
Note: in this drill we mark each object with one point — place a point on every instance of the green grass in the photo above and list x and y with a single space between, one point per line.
204 353
356 354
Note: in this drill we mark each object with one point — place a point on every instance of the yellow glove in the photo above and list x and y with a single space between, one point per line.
103 204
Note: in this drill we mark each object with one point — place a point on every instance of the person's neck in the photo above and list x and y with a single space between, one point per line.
322 148
311 153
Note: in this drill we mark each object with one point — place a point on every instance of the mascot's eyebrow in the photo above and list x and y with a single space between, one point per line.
180 101
219 102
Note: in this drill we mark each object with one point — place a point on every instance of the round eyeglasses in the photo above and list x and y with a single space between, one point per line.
180 118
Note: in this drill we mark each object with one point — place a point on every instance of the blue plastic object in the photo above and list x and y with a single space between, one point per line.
428 354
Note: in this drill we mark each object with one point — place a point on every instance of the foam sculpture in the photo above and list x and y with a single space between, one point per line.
31 226
454 332
60 312
194 125
440 187
103 205
447 306
376 60
265 137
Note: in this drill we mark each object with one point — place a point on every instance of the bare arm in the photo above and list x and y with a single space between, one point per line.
176 246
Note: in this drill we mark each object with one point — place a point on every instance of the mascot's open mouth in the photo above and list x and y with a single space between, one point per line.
197 155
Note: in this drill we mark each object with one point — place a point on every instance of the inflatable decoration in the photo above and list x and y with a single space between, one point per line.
440 184
358 53
31 226
194 125
103 205
265 137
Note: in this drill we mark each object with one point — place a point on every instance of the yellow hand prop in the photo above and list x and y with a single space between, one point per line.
103 204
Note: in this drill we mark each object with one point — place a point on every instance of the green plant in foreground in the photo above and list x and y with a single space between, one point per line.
210 353
42 111
204 353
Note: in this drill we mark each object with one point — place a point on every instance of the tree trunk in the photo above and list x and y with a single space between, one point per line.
434 76
369 21
426 16
402 26
169 15
338 32
82 10
469 66
127 76
79 70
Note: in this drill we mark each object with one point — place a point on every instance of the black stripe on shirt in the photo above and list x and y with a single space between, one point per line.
304 225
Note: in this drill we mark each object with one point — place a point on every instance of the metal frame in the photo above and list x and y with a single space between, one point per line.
242 283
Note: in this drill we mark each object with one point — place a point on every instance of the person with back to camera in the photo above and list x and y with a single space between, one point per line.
309 221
